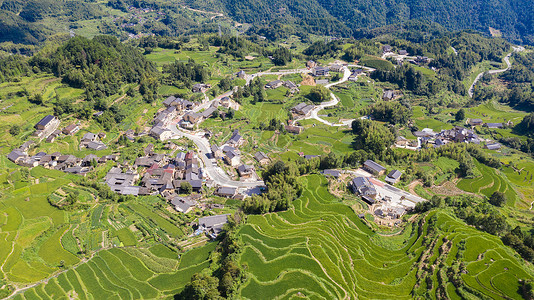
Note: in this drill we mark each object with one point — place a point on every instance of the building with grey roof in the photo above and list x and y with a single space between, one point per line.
374 168
393 176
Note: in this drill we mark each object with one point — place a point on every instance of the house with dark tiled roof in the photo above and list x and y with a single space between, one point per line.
363 187
261 157
393 176
374 168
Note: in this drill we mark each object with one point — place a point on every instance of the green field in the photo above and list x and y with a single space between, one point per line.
321 249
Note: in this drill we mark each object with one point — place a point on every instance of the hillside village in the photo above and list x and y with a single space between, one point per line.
204 161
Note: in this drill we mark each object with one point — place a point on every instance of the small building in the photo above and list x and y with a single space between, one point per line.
160 133
200 88
294 129
388 95
71 129
236 139
213 225
336 68
232 158
302 109
311 64
274 84
393 176
291 86
216 151
208 112
261 157
493 146
386 49
374 168
321 81
363 187
46 122
403 52
89 137
182 204
331 173
169 101
26 146
96 146
475 122
320 71
16 156
494 125
241 74
228 192
245 171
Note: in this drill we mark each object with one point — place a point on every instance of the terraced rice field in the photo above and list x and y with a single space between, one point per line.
488 183
322 250
125 274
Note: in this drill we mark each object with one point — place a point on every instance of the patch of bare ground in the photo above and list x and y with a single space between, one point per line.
449 189
308 80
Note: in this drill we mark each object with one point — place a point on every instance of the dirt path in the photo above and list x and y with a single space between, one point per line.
216 14
411 186
118 99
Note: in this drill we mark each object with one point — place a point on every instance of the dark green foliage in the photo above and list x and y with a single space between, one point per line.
99 65
318 94
201 287
282 188
186 188
498 199
186 72
12 66
460 115
14 130
472 210
237 47
372 136
527 124
282 56
392 112
408 78
322 49
360 48
255 89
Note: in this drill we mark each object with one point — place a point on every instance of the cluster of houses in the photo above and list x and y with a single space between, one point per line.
230 154
293 88
457 134
367 190
47 128
184 110
93 141
57 161
161 175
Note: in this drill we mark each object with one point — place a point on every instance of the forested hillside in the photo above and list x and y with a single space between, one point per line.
514 18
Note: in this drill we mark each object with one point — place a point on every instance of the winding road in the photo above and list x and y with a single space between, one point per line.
334 101
508 64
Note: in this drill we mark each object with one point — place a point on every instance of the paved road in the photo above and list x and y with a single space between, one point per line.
508 64
334 101
214 172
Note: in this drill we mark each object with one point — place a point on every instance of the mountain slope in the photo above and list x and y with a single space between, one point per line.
514 18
